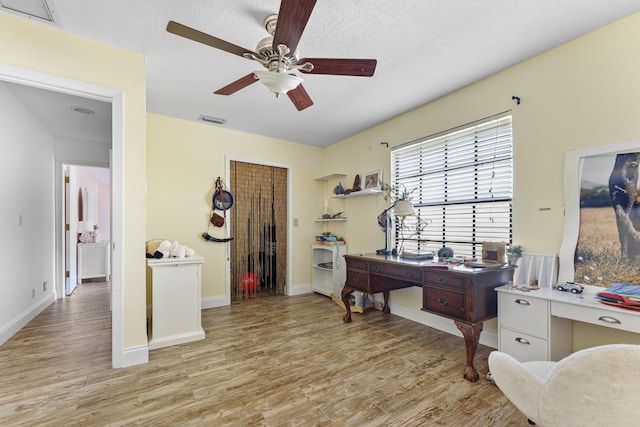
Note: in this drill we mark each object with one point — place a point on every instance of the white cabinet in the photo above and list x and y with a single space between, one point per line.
536 324
175 312
526 329
328 269
94 260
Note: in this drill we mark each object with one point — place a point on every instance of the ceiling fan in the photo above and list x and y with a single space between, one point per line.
277 53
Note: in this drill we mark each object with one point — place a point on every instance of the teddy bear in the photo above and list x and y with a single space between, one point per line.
158 248
180 251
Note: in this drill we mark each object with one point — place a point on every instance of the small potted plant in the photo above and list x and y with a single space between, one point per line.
514 253
399 196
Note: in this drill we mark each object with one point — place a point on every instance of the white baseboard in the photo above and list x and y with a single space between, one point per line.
19 322
135 356
488 338
212 302
300 289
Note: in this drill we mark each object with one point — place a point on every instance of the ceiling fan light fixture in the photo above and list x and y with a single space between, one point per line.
278 82
270 23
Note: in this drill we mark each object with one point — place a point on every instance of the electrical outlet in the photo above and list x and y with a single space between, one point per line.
44 286
33 293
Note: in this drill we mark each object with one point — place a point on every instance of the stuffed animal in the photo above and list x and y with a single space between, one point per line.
158 248
180 251
177 251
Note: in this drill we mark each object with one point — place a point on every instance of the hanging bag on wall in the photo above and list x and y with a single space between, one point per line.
222 200
217 220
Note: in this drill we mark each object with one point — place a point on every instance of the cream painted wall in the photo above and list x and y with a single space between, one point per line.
46 49
584 93
183 161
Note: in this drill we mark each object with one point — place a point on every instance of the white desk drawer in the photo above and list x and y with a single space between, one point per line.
523 347
523 313
597 316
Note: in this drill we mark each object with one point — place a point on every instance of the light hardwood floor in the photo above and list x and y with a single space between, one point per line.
272 361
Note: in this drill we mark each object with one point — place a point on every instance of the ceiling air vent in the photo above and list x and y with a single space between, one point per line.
38 10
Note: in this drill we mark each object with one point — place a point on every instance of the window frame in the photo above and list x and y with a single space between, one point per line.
453 188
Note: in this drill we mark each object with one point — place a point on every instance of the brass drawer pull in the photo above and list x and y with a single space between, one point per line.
376 269
355 280
609 319
442 280
522 302
356 265
523 341
408 274
442 301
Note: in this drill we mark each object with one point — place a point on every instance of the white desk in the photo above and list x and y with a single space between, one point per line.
536 325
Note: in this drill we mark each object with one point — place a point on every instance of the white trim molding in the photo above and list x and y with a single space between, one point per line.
69 86
19 322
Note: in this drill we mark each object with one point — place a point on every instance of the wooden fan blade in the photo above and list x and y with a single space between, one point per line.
341 67
300 98
200 37
292 18
241 83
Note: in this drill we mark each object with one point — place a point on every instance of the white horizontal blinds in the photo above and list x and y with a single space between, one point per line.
463 181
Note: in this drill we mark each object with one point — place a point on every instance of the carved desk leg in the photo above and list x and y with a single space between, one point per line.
346 293
385 308
471 333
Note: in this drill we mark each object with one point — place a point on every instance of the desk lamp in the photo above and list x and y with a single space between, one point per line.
400 208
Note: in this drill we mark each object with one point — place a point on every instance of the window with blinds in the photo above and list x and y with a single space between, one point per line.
461 185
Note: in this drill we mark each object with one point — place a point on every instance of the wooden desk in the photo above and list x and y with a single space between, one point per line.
465 295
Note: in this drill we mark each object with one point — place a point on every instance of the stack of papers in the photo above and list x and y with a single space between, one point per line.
621 295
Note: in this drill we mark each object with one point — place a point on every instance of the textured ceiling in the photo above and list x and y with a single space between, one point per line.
425 49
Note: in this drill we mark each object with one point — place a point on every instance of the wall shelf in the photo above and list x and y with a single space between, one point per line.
357 194
330 220
331 176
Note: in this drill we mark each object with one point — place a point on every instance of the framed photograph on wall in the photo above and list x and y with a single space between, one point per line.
601 238
372 180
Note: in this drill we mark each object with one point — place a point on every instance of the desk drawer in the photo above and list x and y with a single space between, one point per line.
401 273
523 313
440 301
445 280
357 280
597 316
357 264
523 347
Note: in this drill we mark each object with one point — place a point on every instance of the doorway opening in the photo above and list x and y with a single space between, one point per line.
259 227
87 213
115 99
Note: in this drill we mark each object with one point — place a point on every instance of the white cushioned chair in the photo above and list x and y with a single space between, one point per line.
597 386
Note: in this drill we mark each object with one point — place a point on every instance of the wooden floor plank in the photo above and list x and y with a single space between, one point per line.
272 361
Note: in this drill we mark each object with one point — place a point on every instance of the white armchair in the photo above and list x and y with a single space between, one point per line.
598 386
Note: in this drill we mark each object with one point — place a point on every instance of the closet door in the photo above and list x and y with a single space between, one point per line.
259 230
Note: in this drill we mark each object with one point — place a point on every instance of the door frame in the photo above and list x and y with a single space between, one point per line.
289 168
28 77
